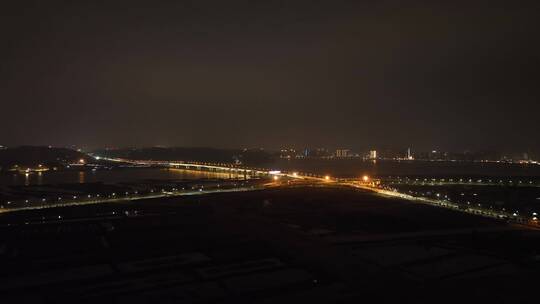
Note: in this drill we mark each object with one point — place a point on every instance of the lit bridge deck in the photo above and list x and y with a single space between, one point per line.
225 168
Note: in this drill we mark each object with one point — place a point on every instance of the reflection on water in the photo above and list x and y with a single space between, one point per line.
189 174
111 176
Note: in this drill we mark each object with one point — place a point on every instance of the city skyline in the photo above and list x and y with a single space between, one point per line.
366 151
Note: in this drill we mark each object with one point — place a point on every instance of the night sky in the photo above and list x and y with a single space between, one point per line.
354 74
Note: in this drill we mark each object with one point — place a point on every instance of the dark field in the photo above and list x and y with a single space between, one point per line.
282 245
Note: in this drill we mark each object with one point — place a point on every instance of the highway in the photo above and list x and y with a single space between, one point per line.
501 215
366 184
276 175
129 198
467 181
222 167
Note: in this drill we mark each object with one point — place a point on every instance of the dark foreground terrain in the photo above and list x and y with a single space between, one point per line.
283 245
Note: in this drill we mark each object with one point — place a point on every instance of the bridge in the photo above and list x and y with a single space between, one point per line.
246 171
365 183
232 169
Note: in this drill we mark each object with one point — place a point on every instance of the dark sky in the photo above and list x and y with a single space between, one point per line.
223 73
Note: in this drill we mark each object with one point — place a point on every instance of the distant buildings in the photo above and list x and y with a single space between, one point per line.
321 152
39 168
287 153
409 154
305 153
290 153
342 153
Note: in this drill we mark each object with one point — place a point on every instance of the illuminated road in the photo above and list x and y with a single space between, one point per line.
512 217
222 167
247 172
364 184
461 181
276 175
131 198
198 166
